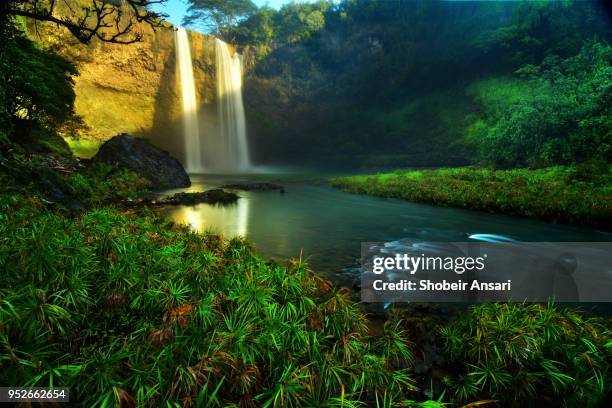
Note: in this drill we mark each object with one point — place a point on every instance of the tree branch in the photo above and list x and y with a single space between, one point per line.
109 21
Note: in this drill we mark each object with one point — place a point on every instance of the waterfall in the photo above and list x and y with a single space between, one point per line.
191 131
231 147
226 149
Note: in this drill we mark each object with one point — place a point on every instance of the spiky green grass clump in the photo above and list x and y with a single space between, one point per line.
579 194
516 353
131 309
101 183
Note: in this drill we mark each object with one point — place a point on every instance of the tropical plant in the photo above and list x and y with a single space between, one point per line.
559 112
130 308
515 353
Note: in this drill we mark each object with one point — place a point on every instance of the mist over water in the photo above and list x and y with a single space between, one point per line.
191 131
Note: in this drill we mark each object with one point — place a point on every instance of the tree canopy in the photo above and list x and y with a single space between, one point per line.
36 85
219 17
293 22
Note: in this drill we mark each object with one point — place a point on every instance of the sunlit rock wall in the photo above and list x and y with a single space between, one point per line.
134 88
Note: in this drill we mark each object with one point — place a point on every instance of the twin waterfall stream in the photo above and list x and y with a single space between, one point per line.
226 149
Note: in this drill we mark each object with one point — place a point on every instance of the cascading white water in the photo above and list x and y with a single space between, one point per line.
227 149
231 149
191 131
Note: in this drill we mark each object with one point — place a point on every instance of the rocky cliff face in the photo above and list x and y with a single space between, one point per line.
134 88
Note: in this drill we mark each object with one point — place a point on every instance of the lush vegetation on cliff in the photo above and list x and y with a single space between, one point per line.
555 112
581 194
36 94
430 82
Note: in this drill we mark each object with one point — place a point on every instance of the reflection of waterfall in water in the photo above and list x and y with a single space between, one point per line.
229 151
230 220
191 131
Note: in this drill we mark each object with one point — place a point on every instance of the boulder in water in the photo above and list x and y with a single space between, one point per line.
214 196
255 186
140 156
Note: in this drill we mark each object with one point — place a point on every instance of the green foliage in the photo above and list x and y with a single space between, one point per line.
292 23
126 308
428 130
299 21
83 148
34 138
560 112
36 94
57 178
102 183
540 28
580 195
259 29
376 81
36 84
515 353
219 17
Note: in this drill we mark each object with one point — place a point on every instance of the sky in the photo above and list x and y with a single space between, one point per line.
176 9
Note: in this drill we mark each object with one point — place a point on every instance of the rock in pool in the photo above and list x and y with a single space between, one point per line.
255 186
214 196
140 156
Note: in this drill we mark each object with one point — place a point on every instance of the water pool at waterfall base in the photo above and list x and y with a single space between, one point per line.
326 226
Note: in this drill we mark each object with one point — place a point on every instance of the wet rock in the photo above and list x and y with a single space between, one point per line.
140 156
214 196
255 186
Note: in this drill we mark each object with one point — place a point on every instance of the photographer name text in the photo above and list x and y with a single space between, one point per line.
426 285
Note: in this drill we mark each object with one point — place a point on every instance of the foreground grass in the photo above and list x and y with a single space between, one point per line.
129 309
126 308
515 353
577 195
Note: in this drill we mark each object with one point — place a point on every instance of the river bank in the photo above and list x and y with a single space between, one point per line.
579 195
